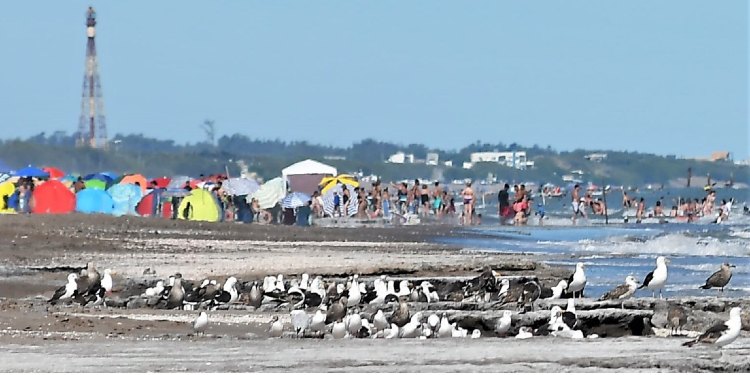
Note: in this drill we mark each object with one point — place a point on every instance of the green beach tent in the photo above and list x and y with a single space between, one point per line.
200 205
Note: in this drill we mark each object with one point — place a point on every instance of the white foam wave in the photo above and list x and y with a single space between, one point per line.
669 244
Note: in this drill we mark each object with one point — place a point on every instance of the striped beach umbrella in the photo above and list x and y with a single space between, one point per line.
295 199
328 201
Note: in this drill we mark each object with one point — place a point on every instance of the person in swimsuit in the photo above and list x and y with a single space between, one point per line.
437 200
425 200
504 209
468 197
576 202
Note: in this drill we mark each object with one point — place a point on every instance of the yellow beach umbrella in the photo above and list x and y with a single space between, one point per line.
331 182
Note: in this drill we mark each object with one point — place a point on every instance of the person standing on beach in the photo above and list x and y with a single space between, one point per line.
503 204
437 200
468 197
575 197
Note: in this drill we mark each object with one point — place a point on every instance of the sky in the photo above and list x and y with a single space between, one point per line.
663 77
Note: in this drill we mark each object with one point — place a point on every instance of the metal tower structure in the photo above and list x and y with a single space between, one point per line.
92 127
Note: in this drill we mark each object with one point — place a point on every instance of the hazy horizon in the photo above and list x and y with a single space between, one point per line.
666 78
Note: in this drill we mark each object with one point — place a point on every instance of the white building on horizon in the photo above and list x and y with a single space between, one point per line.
432 158
401 158
511 159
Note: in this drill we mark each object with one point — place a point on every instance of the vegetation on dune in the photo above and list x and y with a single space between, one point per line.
154 157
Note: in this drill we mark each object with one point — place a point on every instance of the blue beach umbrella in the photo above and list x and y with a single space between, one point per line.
31 172
294 200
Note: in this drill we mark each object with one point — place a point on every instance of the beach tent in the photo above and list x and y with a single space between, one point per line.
53 197
132 179
6 190
200 205
305 176
94 201
162 182
270 193
146 207
124 197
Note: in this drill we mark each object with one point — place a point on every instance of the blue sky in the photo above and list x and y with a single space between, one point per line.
666 77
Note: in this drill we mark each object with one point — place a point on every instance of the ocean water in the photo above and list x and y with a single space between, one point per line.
612 252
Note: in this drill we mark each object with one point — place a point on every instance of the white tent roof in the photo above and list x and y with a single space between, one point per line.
308 166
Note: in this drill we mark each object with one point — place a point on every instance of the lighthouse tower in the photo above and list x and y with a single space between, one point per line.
92 125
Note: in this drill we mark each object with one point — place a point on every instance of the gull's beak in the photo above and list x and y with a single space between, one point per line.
733 266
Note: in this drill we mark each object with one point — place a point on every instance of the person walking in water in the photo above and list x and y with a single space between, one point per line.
504 209
468 196
578 206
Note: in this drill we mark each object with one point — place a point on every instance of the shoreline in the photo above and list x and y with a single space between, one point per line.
41 250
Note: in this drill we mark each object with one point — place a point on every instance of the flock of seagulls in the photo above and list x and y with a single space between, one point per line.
87 288
358 309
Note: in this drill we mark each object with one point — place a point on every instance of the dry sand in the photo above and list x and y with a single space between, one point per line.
38 251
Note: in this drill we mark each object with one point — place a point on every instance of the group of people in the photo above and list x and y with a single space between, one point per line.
685 208
520 209
399 200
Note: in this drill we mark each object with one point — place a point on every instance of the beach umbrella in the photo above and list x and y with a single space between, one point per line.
4 177
178 182
95 183
31 172
54 173
240 186
329 183
294 200
328 201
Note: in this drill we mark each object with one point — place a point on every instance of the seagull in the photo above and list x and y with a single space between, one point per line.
569 317
106 282
96 299
336 311
656 278
524 333
433 321
200 323
529 295
412 329
445 329
721 334
277 327
475 334
400 315
577 281
720 278
354 324
392 332
379 320
66 292
155 290
355 295
338 330
318 321
676 318
622 291
558 290
300 322
458 332
228 295
503 324
90 280
256 295
176 293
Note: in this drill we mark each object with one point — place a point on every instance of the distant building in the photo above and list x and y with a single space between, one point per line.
596 157
432 158
511 159
720 156
468 165
401 158
334 157
448 163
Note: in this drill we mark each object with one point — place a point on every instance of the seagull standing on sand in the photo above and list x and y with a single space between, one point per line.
577 281
656 278
379 321
503 324
67 291
277 327
200 323
723 333
622 291
720 278
300 322
107 281
676 318
318 321
155 290
445 329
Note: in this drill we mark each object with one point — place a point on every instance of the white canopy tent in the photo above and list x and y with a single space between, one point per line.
304 176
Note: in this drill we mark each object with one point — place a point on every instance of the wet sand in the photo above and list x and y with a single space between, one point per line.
39 251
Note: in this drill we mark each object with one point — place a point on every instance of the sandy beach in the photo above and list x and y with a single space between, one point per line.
39 251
